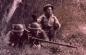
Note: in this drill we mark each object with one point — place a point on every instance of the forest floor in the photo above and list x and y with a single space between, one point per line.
77 40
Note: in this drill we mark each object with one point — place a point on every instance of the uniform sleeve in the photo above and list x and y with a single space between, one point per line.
39 19
57 23
44 35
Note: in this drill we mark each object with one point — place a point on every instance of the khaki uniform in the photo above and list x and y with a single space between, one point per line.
37 32
18 35
49 25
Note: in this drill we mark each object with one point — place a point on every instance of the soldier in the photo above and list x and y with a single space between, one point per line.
48 21
18 35
37 32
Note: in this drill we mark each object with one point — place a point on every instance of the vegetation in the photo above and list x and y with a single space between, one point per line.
71 14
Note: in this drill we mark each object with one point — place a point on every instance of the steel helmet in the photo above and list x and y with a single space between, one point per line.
46 6
18 27
34 26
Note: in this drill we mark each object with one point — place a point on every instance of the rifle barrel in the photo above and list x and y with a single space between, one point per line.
54 42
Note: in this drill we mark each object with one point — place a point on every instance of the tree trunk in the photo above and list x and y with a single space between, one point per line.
7 16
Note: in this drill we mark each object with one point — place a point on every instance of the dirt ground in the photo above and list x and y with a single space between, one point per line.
77 40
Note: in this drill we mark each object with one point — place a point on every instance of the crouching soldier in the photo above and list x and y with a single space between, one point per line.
37 32
18 36
48 21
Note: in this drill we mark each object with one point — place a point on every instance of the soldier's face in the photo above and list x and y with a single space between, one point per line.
19 33
36 32
49 11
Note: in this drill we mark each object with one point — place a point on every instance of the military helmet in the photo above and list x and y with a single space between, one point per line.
46 6
34 26
18 27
